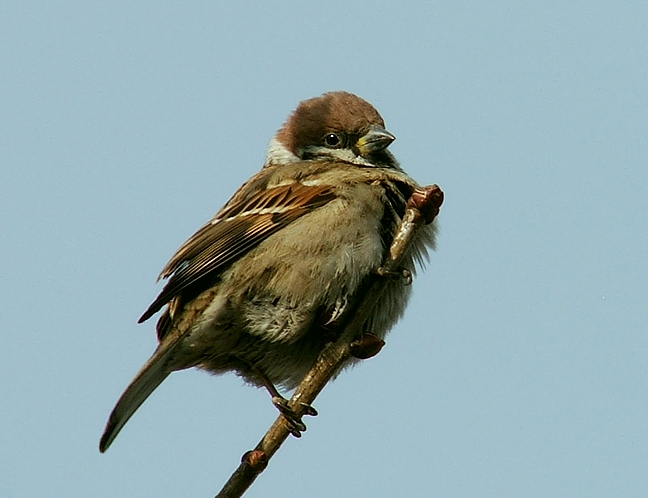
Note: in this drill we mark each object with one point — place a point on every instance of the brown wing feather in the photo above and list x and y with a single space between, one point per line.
236 229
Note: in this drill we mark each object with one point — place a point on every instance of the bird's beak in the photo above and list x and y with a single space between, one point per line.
375 140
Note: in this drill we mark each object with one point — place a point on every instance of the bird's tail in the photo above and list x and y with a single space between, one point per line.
151 375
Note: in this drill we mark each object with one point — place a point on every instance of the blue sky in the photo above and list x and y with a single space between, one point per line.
520 366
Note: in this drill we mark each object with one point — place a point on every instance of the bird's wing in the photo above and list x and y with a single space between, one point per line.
241 225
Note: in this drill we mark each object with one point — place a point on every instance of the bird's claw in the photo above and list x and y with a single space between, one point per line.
400 273
293 421
309 410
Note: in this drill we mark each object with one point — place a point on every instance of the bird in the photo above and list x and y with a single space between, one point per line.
258 290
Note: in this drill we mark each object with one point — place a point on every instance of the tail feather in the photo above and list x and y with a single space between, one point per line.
151 375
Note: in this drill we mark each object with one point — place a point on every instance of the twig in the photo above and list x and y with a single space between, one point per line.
422 208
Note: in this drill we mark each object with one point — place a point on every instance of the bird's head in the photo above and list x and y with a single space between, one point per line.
336 126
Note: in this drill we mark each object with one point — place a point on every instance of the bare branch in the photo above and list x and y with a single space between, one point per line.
422 208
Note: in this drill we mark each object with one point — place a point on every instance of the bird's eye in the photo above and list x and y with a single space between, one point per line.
332 140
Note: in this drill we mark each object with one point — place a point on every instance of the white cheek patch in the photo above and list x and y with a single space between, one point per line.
344 155
321 152
277 153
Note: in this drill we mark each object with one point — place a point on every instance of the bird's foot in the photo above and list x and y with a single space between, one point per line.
400 273
293 420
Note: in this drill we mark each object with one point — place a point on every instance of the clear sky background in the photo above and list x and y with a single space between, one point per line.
520 367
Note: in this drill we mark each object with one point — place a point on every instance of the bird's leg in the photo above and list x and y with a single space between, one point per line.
295 425
400 273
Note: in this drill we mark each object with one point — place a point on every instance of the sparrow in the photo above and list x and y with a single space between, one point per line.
259 289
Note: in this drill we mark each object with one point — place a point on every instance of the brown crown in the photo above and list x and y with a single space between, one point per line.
330 112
